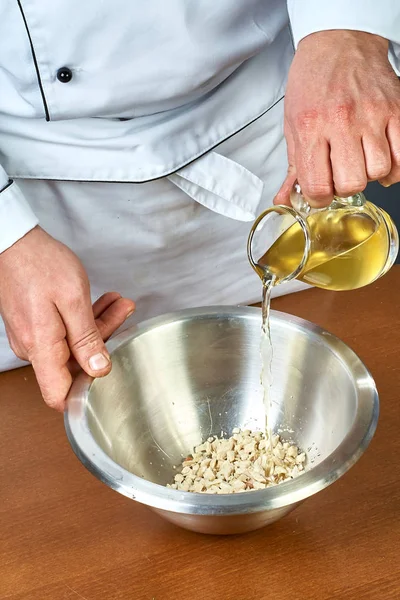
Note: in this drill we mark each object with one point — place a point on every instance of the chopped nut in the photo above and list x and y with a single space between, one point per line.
292 451
209 474
250 447
258 477
262 444
230 455
258 485
300 458
244 462
238 485
274 440
225 488
198 486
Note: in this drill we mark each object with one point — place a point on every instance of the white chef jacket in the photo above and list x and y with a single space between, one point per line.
153 85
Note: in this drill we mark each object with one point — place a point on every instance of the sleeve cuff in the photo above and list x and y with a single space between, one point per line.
16 216
380 17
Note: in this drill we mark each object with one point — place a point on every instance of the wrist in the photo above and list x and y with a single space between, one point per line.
334 37
10 251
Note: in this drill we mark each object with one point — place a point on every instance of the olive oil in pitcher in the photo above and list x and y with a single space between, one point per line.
343 247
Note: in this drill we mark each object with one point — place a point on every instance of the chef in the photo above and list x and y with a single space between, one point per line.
138 140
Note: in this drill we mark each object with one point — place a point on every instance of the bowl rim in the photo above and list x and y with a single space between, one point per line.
291 492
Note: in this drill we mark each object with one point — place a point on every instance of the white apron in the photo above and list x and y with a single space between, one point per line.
155 243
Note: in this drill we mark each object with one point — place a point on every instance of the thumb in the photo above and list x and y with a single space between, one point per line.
84 339
283 195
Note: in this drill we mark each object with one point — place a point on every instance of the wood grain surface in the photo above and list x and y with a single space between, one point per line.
66 536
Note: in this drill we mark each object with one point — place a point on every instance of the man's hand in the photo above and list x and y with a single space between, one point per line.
342 116
46 306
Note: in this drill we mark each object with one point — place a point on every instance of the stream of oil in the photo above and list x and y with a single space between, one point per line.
267 353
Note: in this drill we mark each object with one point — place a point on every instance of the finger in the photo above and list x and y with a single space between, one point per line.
114 316
49 356
104 302
52 374
393 137
314 172
283 195
378 161
83 337
107 322
348 166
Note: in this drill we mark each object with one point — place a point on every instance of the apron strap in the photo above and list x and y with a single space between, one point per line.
222 185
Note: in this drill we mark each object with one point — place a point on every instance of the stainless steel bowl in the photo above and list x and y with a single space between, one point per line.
180 378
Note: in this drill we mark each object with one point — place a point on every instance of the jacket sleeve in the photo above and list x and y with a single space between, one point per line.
16 216
380 17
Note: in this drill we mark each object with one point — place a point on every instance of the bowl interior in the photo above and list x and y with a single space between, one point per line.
176 383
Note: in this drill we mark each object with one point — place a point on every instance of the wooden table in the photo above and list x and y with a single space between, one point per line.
65 536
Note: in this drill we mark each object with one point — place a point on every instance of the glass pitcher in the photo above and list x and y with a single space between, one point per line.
347 245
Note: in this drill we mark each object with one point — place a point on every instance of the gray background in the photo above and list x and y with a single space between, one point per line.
388 199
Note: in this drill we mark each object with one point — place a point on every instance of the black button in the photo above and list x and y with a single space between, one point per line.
64 75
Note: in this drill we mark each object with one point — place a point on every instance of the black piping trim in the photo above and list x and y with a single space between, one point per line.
10 182
46 110
170 172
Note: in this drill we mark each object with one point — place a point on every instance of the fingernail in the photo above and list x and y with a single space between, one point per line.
98 362
129 314
386 185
